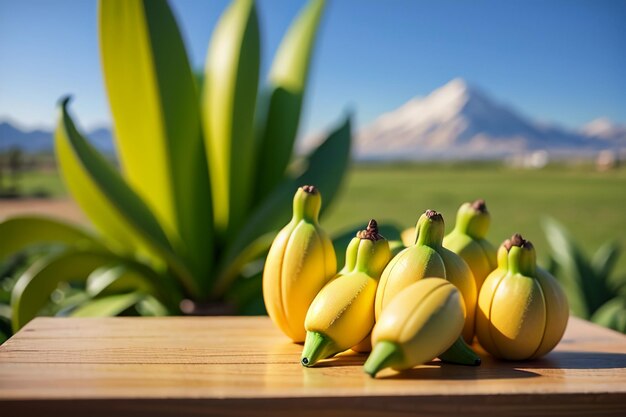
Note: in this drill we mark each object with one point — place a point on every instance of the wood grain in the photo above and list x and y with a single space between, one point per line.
239 366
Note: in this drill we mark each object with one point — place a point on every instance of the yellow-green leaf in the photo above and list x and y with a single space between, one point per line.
324 168
287 83
33 288
155 107
229 100
113 207
20 232
112 305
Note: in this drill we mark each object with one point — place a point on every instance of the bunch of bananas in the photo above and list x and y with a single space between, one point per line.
429 300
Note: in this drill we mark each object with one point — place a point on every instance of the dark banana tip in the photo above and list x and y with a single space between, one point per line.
431 214
480 206
305 361
371 232
309 189
477 362
517 240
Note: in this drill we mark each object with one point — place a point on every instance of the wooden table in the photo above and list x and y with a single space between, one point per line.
235 365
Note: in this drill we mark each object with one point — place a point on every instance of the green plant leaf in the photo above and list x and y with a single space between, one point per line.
109 202
612 314
604 261
229 101
584 290
150 306
128 276
325 168
115 278
32 290
25 231
155 107
283 102
112 305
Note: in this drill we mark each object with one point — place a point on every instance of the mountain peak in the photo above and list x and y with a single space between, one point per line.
459 121
604 128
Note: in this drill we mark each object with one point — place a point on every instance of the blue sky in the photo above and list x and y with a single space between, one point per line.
558 61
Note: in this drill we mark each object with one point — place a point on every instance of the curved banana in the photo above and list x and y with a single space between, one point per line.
300 261
522 310
428 258
419 324
467 240
342 314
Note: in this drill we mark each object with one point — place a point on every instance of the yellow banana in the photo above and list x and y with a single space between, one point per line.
342 314
428 258
522 310
467 240
419 324
300 261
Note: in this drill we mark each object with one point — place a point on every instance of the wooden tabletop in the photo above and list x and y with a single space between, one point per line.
239 366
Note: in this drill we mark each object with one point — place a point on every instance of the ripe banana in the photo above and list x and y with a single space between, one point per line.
300 261
467 240
522 310
428 258
420 323
342 314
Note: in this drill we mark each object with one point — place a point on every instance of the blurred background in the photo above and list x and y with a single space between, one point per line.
521 103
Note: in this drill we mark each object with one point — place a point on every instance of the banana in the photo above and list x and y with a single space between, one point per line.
467 240
342 314
420 323
300 261
522 310
428 258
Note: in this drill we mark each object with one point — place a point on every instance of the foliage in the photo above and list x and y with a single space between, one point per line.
593 291
205 176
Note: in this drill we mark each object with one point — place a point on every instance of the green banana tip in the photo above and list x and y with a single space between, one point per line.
316 347
384 355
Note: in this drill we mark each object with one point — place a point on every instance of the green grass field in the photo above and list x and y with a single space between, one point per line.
591 204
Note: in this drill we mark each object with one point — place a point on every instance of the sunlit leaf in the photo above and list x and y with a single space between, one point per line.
229 100
20 232
280 116
325 168
32 290
585 292
612 314
604 261
155 107
110 203
128 277
150 306
112 305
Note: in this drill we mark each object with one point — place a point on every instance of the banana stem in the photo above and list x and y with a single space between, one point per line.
307 203
521 258
430 229
473 219
384 355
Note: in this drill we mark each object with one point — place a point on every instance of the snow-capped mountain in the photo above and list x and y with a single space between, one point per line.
603 128
33 141
458 121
